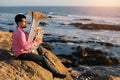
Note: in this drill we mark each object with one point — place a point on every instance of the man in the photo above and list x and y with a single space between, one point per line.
21 47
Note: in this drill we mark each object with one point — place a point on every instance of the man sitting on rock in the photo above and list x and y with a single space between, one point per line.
21 47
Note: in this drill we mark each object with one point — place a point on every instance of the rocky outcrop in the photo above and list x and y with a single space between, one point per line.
94 26
88 56
56 63
110 77
43 23
13 69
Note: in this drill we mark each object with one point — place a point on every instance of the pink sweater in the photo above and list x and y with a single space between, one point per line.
20 43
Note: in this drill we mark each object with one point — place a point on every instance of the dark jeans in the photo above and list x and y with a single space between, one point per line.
39 59
31 57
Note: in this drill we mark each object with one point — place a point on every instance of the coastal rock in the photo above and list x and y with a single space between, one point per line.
5 40
10 24
93 57
43 23
76 24
109 77
56 63
50 17
84 19
13 69
67 60
47 46
94 26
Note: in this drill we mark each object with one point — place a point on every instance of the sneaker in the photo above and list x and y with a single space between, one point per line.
59 75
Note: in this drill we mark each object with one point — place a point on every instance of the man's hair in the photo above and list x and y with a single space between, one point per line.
18 18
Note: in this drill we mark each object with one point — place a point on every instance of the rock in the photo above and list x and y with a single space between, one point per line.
84 19
114 60
81 52
10 24
74 73
5 40
94 26
23 70
62 23
61 40
47 46
13 69
91 56
56 63
76 24
95 52
50 17
109 77
43 23
66 60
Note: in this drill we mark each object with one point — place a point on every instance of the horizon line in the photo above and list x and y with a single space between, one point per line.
53 6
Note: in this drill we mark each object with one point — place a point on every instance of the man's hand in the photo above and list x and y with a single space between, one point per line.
38 40
38 32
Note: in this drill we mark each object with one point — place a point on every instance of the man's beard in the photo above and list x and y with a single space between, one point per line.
24 27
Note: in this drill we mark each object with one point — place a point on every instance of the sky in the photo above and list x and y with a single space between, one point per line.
111 3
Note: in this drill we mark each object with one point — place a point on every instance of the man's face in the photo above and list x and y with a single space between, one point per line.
22 24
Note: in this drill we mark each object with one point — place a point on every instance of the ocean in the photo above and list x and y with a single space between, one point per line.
59 26
67 15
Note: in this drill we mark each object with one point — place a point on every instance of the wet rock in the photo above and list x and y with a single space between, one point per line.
73 48
94 52
114 60
101 26
80 53
90 56
108 77
43 23
50 17
74 73
102 43
76 24
67 60
47 34
87 75
62 23
56 63
107 44
57 40
10 24
61 40
94 26
47 46
84 19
